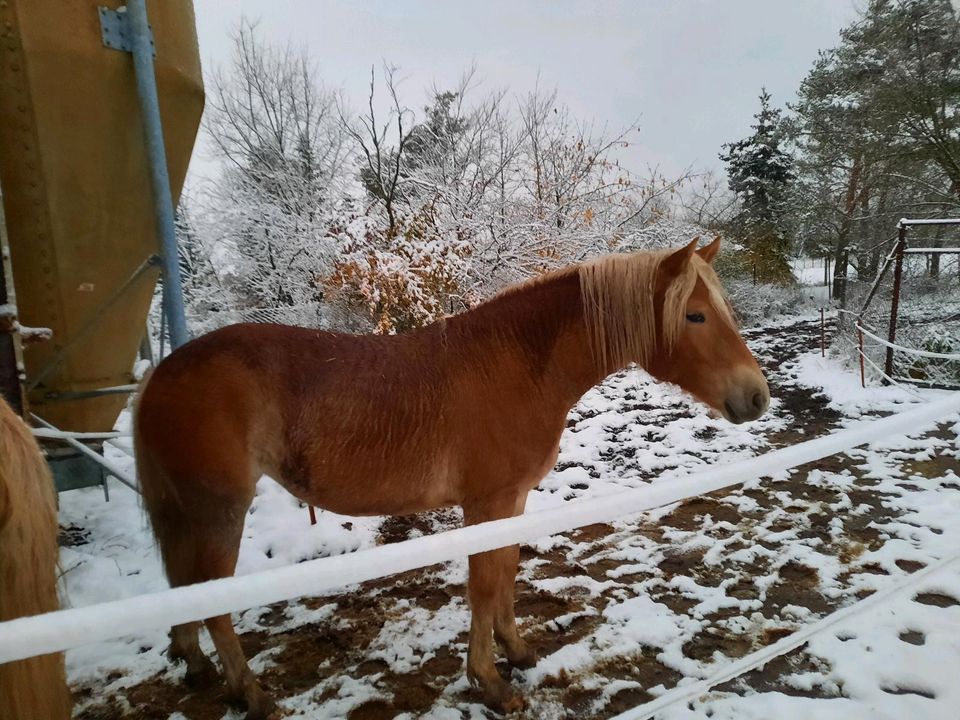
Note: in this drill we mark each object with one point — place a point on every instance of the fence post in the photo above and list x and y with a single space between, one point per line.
823 340
895 301
863 380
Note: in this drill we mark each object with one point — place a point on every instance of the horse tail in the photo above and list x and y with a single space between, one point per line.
155 490
159 494
35 687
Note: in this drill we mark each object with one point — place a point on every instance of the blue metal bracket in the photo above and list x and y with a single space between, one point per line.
115 30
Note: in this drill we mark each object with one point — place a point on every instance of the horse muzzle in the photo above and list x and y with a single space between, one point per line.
747 401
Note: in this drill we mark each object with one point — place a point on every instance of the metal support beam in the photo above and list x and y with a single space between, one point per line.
11 355
133 31
92 322
895 301
108 466
142 43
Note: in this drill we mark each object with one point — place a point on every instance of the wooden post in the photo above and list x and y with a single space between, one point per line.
895 301
313 514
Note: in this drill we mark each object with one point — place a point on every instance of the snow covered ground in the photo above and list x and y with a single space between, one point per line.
621 613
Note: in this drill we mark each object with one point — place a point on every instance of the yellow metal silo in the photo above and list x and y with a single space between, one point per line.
76 190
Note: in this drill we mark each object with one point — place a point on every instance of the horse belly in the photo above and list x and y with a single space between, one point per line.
362 486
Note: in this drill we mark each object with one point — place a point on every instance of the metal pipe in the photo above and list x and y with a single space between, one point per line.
863 375
142 49
84 394
895 301
96 457
906 222
48 434
823 333
92 321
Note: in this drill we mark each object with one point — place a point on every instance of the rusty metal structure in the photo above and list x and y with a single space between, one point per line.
99 111
81 196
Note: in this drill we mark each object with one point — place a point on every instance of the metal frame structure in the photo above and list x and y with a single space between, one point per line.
895 259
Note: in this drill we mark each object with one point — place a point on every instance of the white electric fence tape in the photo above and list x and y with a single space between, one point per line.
692 691
64 629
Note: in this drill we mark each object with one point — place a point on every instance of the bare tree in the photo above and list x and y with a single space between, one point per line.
284 156
381 163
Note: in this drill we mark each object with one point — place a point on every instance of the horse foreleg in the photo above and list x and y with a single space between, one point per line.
491 576
505 630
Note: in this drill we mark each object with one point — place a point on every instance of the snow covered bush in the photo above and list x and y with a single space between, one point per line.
757 303
404 279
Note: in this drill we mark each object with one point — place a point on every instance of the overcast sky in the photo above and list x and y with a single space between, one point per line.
690 70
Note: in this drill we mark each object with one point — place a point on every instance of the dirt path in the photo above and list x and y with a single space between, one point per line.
730 572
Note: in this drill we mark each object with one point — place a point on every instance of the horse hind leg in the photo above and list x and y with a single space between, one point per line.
200 541
240 678
219 560
185 646
178 543
518 652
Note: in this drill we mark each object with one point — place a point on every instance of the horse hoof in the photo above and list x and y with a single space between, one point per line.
524 660
200 673
261 707
502 698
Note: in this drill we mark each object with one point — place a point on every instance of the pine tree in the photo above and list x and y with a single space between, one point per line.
760 173
877 132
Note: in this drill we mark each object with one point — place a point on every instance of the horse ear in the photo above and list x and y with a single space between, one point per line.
675 262
709 252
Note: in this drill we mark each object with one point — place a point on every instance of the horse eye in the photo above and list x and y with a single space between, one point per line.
696 317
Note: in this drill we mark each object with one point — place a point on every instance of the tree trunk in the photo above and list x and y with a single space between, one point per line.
841 254
873 262
935 257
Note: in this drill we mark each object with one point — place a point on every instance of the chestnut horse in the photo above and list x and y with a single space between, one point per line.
467 411
36 687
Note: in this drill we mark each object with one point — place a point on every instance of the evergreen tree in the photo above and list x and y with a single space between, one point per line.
877 132
915 92
201 286
430 147
760 173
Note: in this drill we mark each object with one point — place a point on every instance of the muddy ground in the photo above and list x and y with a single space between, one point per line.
316 654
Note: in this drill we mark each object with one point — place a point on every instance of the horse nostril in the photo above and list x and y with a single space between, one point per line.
759 401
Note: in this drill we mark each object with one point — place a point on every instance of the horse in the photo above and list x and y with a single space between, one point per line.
466 411
36 687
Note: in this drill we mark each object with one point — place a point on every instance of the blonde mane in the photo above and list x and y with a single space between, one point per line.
36 687
618 304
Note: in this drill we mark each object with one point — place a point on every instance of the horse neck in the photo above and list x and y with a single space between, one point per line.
543 324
